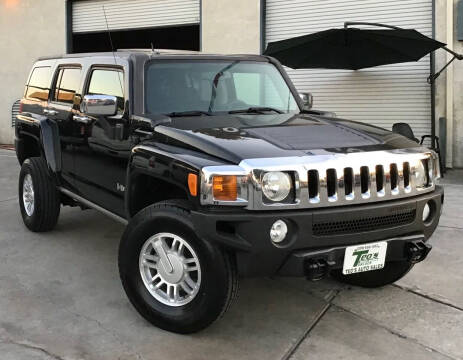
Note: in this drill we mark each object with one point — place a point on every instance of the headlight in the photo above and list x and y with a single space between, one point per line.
421 178
276 185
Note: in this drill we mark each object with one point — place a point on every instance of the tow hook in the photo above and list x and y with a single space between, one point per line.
417 251
317 269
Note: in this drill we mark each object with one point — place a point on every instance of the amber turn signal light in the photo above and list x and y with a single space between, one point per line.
225 188
193 184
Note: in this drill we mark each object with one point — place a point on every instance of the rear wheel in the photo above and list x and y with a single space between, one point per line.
391 272
174 279
39 199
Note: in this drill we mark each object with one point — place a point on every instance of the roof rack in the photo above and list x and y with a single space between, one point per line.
160 51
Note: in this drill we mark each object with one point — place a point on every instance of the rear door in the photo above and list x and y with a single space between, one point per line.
64 102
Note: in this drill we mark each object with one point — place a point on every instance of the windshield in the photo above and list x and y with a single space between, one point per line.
216 86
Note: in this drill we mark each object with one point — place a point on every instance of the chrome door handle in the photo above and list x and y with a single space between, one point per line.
82 119
50 112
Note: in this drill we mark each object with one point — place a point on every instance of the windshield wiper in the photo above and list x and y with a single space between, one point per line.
255 110
189 113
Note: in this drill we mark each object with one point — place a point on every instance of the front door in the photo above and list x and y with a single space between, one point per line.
101 158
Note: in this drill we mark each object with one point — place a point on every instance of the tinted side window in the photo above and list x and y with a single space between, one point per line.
67 84
108 82
39 84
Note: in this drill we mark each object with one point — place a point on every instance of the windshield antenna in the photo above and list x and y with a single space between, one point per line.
112 48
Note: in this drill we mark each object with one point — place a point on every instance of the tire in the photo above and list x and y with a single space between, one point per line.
391 272
44 213
217 274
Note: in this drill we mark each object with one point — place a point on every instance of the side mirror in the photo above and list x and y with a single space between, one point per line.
99 105
307 100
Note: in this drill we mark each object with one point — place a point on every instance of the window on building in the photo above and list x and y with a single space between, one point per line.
39 84
108 82
67 84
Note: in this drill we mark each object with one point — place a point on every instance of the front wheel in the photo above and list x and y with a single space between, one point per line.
39 198
174 279
391 272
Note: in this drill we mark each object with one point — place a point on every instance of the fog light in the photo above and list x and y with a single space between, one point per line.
278 231
426 212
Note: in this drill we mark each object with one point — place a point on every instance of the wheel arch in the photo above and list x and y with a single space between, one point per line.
42 142
27 145
153 177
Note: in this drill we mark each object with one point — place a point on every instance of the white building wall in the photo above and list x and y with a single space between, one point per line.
449 86
231 26
28 29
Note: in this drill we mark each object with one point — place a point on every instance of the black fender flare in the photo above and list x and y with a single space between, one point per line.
48 141
49 134
158 165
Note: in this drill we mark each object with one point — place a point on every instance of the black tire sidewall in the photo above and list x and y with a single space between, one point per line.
46 198
215 280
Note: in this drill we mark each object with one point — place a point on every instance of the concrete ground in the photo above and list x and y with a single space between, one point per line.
60 298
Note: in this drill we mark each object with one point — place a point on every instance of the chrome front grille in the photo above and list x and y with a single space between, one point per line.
361 183
342 179
327 179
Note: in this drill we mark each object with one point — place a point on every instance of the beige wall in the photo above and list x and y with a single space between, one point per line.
451 81
231 26
28 29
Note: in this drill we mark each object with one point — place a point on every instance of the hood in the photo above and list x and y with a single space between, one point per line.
237 137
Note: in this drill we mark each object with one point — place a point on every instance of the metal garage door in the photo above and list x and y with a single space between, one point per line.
87 16
380 96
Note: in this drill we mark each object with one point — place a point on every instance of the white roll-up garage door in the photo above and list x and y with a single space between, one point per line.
380 96
88 16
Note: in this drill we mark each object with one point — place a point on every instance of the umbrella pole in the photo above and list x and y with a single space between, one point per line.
433 101
456 56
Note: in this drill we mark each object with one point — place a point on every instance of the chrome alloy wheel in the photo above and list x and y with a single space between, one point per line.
170 269
28 195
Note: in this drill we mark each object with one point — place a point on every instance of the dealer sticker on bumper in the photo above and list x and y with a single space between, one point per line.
366 257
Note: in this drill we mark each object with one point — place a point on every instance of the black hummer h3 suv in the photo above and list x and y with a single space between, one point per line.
219 170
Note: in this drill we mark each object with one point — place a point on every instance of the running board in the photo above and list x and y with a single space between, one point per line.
85 202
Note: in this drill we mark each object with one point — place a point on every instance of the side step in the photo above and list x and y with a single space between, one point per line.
85 202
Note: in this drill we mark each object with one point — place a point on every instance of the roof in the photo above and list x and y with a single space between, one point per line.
126 53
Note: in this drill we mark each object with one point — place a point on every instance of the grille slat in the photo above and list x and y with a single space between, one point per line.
399 218
349 183
322 187
365 182
332 185
407 177
400 177
394 179
313 186
357 184
412 176
380 180
372 176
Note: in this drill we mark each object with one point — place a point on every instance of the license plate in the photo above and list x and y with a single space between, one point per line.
366 257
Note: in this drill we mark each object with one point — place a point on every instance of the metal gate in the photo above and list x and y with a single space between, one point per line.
88 16
380 96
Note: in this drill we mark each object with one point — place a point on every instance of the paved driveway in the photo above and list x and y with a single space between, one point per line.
60 298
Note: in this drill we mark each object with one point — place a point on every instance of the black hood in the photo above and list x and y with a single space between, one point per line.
237 137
